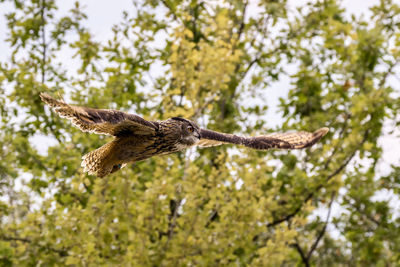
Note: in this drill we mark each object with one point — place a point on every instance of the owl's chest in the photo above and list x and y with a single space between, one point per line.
168 142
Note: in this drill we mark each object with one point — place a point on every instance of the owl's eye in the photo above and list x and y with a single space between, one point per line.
190 129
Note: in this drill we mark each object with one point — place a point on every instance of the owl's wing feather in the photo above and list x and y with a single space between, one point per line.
294 140
211 138
101 121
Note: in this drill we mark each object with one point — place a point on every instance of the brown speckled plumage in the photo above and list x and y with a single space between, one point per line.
137 139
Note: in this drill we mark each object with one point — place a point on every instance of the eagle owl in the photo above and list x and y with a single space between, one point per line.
137 139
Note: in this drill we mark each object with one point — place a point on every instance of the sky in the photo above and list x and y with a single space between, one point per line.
102 14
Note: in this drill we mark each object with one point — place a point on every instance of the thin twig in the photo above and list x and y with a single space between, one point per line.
321 234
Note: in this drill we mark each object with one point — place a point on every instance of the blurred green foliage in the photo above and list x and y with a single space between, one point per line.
211 207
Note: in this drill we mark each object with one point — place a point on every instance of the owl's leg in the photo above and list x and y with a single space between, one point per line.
117 167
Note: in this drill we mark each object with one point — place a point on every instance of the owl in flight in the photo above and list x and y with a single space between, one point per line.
137 139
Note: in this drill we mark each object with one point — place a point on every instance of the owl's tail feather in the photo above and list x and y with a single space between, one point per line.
97 162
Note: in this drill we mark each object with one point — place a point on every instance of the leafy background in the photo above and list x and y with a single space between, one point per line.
221 64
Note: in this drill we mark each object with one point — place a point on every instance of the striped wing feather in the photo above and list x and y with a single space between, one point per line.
293 140
101 121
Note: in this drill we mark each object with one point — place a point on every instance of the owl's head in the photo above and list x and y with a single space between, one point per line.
190 131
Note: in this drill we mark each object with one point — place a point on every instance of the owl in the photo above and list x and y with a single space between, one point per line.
136 139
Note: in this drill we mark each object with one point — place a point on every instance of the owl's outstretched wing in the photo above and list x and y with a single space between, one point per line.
294 140
101 121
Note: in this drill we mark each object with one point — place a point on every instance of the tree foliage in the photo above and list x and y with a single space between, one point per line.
208 61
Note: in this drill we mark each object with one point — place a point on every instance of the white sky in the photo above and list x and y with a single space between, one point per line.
102 14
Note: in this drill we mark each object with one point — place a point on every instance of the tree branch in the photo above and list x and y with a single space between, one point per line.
329 177
197 35
302 255
172 219
176 17
242 24
44 44
61 252
366 216
389 71
335 149
321 234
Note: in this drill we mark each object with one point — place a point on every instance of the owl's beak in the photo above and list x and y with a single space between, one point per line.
198 135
